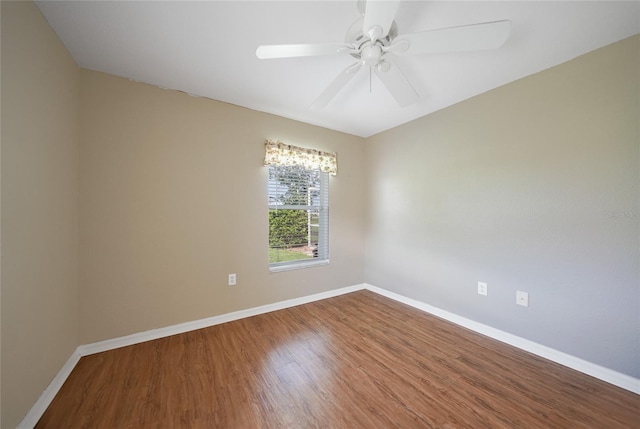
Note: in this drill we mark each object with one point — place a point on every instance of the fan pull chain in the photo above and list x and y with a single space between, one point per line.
369 80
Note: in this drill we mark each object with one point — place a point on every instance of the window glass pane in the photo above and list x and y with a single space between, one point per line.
298 215
293 186
291 237
288 228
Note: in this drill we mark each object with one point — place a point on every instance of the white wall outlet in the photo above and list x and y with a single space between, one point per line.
232 279
522 298
482 288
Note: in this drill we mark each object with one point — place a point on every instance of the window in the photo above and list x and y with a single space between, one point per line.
298 191
298 217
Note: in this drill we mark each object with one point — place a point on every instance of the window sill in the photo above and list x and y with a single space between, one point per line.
297 266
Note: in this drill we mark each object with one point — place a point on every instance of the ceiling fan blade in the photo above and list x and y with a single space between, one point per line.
475 37
380 14
301 50
398 85
334 87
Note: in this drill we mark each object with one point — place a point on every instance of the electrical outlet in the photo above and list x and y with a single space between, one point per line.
482 288
522 298
232 279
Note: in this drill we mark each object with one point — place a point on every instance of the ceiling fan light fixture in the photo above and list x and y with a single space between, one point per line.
371 55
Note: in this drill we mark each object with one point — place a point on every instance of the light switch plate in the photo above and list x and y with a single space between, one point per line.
482 288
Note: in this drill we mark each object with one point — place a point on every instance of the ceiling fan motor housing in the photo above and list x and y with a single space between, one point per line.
370 53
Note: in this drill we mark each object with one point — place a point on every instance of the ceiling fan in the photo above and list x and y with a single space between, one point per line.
373 40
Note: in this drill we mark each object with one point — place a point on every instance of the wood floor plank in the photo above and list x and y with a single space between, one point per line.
354 361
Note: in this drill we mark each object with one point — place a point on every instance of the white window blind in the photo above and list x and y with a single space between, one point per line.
298 217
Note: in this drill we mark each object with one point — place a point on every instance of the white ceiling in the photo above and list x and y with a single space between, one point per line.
207 48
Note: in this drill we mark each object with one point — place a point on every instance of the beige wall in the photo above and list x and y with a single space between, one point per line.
173 198
533 186
40 99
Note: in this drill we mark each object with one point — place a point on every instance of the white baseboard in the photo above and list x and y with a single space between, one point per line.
41 405
618 379
154 334
605 374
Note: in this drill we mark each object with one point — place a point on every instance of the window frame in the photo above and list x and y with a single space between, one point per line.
323 222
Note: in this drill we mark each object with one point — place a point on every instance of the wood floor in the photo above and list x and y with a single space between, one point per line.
355 361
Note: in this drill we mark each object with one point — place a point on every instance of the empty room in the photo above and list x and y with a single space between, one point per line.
320 214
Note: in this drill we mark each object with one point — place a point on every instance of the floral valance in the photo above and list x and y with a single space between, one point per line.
278 153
